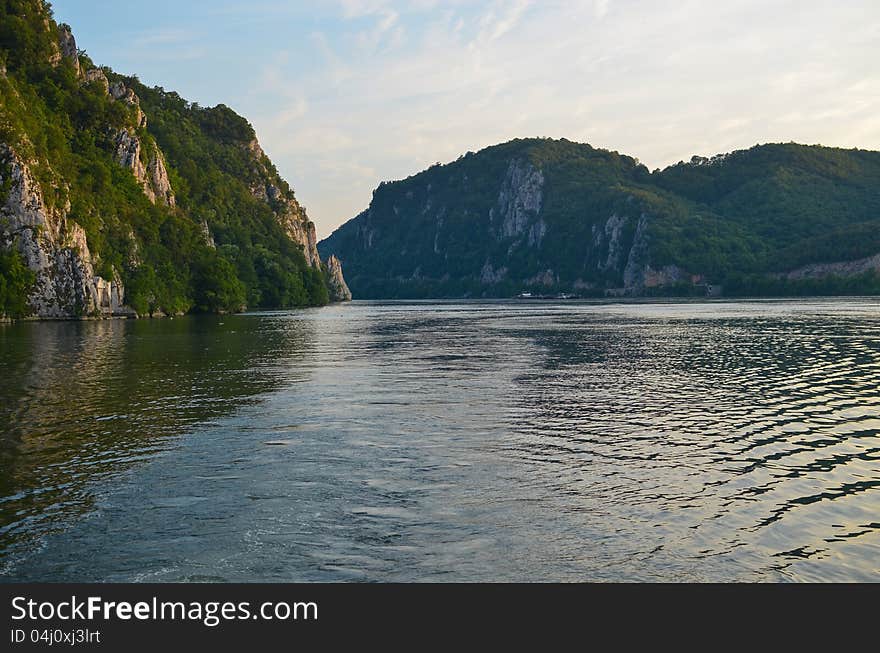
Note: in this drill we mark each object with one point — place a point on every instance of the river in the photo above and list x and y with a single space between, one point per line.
446 441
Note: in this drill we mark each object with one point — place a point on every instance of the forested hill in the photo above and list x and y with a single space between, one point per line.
548 216
116 198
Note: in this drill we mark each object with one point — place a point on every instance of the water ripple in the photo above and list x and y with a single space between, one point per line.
450 441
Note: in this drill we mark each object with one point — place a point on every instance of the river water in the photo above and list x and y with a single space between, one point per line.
466 441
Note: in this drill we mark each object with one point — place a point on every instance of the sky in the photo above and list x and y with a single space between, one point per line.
344 94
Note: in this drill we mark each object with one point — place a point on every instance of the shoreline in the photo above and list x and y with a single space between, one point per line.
153 316
450 300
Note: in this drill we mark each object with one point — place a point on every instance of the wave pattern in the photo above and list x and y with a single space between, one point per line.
735 441
749 438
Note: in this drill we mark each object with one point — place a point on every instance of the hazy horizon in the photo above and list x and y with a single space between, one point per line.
346 94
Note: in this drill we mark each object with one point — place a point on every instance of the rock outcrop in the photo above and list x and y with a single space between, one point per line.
157 179
638 258
128 153
153 177
118 91
55 248
300 230
288 211
336 285
608 238
97 75
67 48
519 202
490 276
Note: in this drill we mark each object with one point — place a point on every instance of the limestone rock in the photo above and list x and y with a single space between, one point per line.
637 260
255 149
337 287
54 247
97 75
608 238
273 193
519 200
546 278
119 91
158 179
153 177
67 48
109 296
301 230
128 155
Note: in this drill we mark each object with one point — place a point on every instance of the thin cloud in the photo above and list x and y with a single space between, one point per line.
294 112
165 36
385 29
501 18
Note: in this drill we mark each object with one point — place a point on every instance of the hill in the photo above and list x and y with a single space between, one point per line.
116 198
550 216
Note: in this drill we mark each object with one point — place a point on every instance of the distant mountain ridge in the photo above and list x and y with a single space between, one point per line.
118 199
549 216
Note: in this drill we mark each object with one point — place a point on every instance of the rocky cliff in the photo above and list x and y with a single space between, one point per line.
152 176
54 247
549 216
269 188
339 291
121 199
66 48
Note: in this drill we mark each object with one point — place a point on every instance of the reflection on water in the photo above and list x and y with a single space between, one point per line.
86 400
452 441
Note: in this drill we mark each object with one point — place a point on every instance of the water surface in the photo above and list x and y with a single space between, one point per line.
453 441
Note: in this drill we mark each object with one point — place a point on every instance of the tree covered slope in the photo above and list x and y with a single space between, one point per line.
545 216
116 198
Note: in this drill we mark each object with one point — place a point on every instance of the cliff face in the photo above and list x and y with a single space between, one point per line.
115 214
549 216
519 204
54 248
67 49
52 244
269 188
152 176
339 291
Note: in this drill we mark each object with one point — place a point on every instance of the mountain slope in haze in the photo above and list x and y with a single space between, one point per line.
116 198
551 216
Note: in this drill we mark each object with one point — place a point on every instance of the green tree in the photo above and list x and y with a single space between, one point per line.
16 282
217 288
